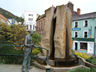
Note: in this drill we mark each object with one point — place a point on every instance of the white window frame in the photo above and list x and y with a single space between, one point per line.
74 24
74 34
84 22
84 32
77 44
84 42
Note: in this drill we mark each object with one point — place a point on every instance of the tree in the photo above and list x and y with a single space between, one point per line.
14 34
5 32
18 34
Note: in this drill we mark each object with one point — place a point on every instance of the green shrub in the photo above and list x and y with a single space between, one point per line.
80 69
7 50
93 69
35 51
36 38
92 60
83 55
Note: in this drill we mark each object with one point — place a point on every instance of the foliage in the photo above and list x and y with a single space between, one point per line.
35 51
80 69
36 38
83 55
14 34
10 50
92 69
18 34
5 32
92 60
83 69
8 14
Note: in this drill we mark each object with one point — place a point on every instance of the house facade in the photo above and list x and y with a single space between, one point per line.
40 23
83 33
12 21
30 20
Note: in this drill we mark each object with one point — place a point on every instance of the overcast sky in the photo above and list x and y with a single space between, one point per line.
18 7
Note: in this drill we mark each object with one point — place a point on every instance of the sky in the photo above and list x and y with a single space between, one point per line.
18 7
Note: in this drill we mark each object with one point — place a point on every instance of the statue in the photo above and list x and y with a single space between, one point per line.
28 50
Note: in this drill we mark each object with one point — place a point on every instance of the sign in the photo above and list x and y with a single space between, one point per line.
91 47
76 29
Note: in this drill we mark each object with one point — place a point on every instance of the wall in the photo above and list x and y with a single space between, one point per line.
91 25
30 20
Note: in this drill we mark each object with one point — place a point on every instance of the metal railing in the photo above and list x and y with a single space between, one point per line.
19 55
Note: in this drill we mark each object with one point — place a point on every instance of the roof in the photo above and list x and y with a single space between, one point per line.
41 16
2 17
84 16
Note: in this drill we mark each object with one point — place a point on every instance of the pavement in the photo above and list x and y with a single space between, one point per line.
17 68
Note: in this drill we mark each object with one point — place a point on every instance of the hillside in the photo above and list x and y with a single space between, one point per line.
8 14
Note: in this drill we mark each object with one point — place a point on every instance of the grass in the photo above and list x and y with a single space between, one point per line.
92 60
80 69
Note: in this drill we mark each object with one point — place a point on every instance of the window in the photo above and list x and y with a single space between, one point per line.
76 45
30 26
76 34
76 24
85 34
83 46
86 23
30 14
30 19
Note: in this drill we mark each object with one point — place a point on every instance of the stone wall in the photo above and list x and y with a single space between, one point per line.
46 41
63 35
58 41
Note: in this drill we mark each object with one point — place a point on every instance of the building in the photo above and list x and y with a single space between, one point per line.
83 30
12 21
3 19
30 20
40 22
83 33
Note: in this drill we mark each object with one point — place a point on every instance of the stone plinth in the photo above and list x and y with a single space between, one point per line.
46 41
63 35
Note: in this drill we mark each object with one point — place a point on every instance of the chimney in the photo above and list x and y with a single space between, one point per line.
70 5
78 11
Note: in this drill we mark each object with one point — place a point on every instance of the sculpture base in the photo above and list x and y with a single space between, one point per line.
60 62
57 69
64 62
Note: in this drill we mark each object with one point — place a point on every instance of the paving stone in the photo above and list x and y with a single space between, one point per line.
17 68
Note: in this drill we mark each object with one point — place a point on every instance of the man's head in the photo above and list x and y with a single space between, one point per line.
31 32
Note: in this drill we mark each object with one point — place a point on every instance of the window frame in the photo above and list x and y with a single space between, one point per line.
86 47
84 34
75 46
75 35
85 23
75 24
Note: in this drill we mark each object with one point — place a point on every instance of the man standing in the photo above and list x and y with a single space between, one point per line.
27 53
